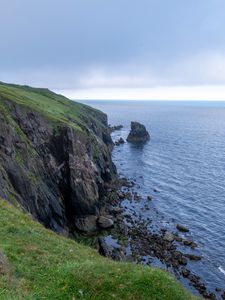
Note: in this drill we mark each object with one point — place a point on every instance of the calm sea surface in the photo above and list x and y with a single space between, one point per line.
185 161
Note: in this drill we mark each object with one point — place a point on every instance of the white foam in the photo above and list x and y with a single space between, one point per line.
221 270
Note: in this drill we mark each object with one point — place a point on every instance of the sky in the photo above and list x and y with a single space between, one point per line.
116 49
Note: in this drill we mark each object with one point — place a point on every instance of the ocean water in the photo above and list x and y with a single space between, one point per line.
185 162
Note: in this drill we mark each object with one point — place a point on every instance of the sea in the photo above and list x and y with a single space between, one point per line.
182 166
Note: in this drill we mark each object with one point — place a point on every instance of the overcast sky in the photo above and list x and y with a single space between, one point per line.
116 49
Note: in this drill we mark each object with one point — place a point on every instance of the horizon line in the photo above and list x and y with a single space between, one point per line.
159 93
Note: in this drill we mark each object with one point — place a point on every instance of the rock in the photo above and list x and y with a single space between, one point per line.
105 223
116 210
185 272
193 257
187 242
178 238
115 128
169 237
121 195
182 228
87 224
150 198
223 296
119 142
138 133
190 242
104 248
182 260
194 245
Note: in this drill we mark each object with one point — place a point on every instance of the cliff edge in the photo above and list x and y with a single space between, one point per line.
55 155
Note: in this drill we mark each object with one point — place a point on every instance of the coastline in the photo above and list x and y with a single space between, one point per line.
146 241
85 194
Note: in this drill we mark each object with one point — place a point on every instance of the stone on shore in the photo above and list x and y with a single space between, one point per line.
86 224
169 237
119 142
115 128
105 222
182 228
193 257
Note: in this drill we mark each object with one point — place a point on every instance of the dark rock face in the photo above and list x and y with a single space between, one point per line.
56 174
138 133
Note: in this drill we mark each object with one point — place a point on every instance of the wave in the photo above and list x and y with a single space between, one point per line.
221 270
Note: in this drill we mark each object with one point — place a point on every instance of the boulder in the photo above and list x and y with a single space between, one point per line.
185 272
104 248
87 224
105 222
169 237
193 257
188 242
138 133
115 128
119 142
121 195
182 228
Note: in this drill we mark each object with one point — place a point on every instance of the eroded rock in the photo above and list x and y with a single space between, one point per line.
138 133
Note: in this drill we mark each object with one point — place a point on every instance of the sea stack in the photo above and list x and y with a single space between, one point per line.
138 133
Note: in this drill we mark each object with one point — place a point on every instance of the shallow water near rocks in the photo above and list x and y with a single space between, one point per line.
182 167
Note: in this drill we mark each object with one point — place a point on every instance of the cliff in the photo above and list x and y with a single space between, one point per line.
55 155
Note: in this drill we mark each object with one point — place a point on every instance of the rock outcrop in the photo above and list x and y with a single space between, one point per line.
55 156
115 128
119 142
138 133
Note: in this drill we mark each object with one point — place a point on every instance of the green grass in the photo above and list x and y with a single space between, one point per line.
56 107
44 265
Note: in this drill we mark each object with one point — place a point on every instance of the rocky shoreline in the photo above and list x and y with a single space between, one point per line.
132 239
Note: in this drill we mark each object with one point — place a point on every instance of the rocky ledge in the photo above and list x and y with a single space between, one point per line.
138 133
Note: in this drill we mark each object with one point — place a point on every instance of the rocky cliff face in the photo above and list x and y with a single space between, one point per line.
55 156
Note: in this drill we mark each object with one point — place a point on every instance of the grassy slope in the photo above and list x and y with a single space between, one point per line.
48 266
57 108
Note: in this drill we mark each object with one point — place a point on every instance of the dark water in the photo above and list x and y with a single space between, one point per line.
185 161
